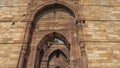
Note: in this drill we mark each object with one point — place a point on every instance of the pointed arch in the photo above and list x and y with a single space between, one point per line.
39 58
40 8
47 38
54 53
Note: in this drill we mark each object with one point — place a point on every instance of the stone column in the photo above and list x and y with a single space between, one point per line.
22 56
83 55
82 43
31 58
75 49
44 64
24 46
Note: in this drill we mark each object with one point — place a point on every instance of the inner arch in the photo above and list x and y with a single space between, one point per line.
61 53
47 38
54 54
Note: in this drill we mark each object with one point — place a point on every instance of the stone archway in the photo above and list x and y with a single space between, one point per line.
54 20
51 55
58 58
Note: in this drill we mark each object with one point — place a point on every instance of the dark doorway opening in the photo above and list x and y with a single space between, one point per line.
57 67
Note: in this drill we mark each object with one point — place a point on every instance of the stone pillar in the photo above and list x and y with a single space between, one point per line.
31 58
44 64
83 58
22 56
75 50
75 57
83 55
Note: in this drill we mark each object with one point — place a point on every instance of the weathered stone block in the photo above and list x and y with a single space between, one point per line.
101 13
14 2
13 13
100 2
9 55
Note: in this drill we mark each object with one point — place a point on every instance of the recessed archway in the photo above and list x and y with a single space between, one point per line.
59 58
47 50
52 13
55 20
